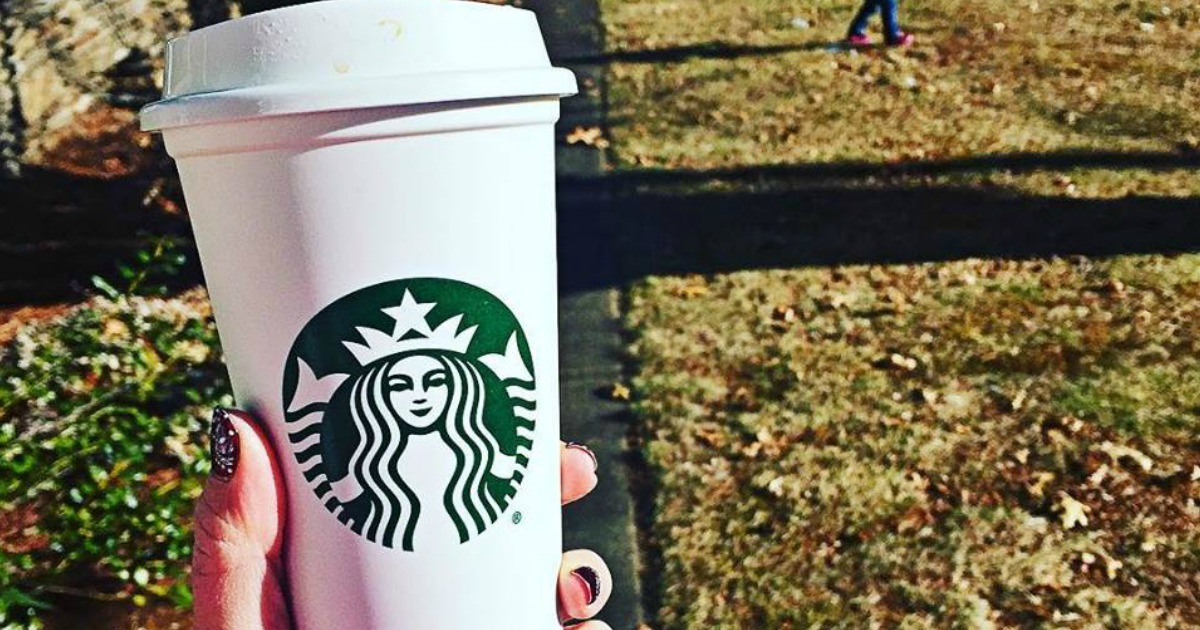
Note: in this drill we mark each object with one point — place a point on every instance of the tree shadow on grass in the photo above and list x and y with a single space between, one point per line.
706 50
641 223
58 231
1015 163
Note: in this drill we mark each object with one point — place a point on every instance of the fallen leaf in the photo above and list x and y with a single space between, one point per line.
903 362
590 136
1018 401
1038 487
1097 477
785 314
1073 512
1117 451
710 436
619 392
839 300
914 520
114 330
1111 566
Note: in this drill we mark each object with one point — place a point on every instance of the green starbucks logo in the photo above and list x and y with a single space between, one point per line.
410 407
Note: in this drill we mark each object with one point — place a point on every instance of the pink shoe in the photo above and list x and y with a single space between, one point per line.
903 40
858 41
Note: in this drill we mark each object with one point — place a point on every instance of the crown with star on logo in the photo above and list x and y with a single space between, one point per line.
411 333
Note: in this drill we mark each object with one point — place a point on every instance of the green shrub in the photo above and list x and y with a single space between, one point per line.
102 422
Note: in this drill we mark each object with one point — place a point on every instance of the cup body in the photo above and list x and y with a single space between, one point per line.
325 238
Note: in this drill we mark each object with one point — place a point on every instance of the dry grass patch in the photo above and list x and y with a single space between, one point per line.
968 444
986 78
951 445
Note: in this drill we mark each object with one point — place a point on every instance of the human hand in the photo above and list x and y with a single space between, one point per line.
237 564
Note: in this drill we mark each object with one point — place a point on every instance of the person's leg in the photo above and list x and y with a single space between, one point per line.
858 26
891 20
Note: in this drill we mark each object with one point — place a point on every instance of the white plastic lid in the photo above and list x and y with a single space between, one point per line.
349 54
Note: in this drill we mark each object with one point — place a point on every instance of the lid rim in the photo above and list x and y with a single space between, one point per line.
339 55
206 108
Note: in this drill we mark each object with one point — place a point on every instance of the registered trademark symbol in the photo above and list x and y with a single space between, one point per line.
517 518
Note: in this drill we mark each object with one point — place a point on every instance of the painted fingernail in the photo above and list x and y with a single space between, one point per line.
587 451
590 580
223 445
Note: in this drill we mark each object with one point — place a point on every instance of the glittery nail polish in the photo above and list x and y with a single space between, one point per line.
591 580
223 446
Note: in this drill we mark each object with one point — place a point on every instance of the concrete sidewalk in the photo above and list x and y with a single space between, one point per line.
590 344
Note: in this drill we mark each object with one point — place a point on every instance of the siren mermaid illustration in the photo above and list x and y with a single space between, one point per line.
352 432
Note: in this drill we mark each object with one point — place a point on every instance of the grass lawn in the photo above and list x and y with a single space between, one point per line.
987 77
974 443
934 445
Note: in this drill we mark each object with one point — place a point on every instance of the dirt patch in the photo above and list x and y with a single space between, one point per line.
83 613
17 532
12 320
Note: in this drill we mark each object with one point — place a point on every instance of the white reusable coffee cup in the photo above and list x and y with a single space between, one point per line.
371 185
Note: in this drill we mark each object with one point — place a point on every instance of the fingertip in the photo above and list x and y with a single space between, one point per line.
236 559
583 453
244 491
579 465
253 439
584 584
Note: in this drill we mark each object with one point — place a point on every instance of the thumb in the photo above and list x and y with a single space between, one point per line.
237 571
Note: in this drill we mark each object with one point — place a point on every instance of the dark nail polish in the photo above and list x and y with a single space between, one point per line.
591 580
223 446
579 447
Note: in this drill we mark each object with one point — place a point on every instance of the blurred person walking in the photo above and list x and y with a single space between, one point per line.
857 37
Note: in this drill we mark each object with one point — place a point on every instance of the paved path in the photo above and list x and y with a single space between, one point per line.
590 330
